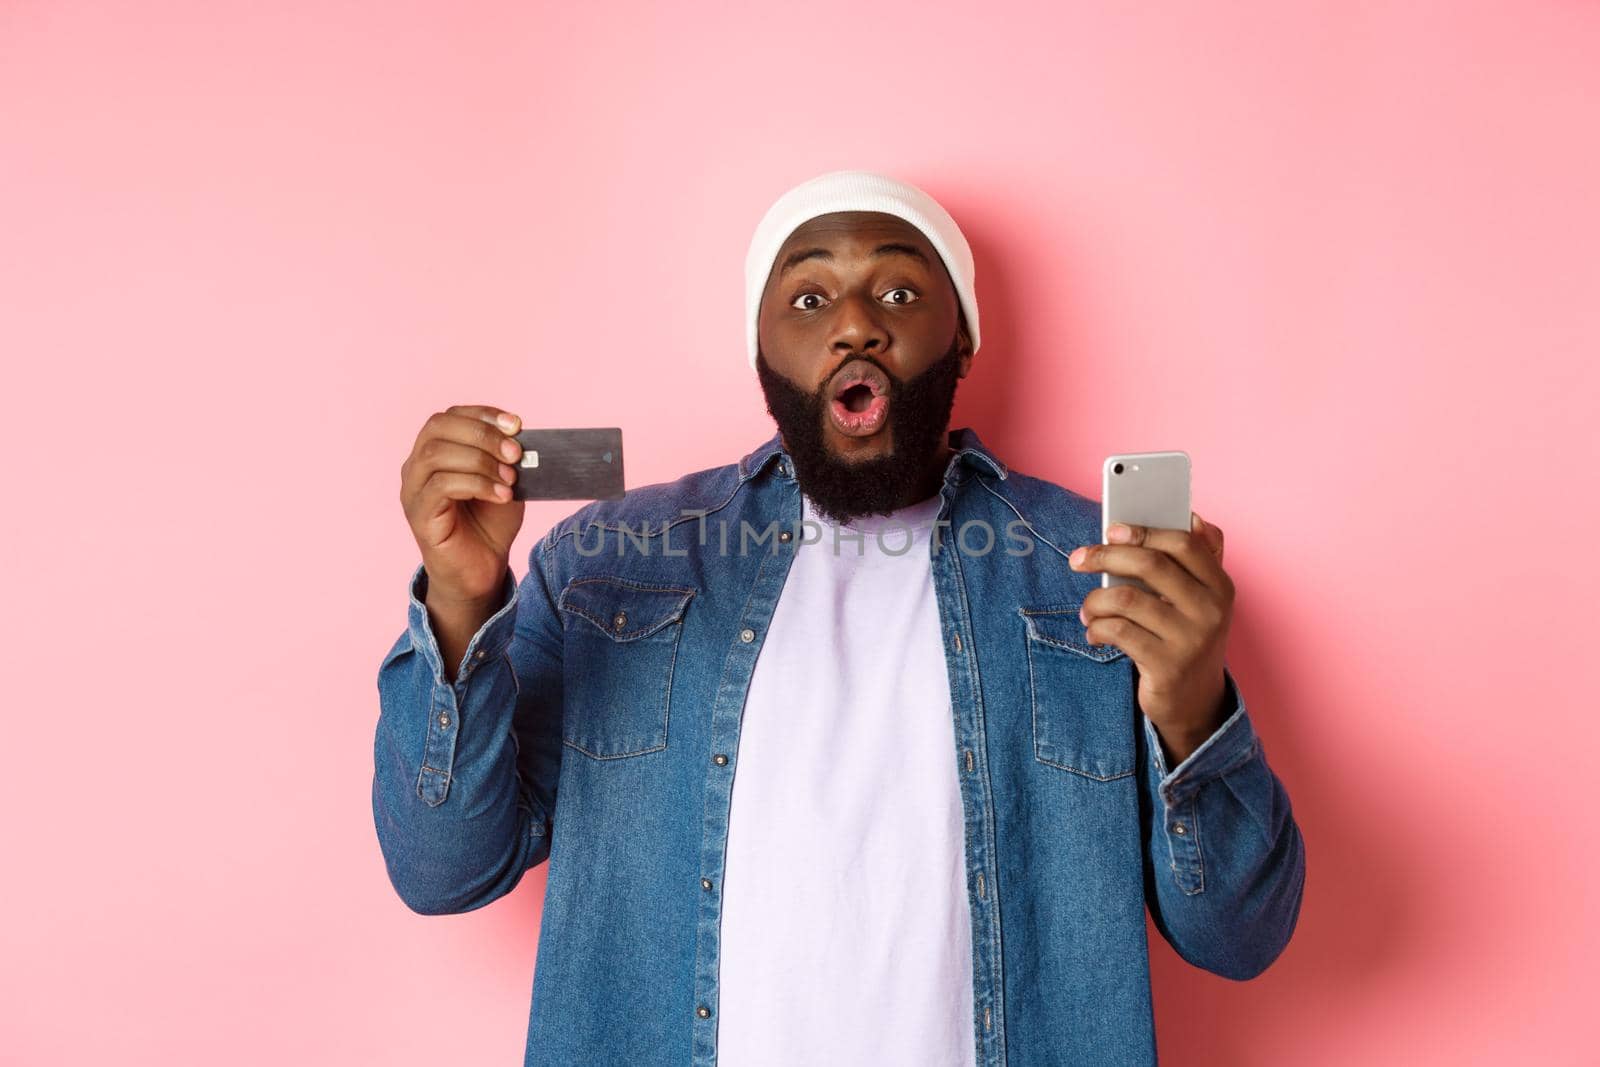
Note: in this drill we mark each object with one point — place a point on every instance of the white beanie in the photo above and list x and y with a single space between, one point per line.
856 190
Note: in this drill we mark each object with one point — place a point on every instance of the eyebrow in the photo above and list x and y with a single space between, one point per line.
794 259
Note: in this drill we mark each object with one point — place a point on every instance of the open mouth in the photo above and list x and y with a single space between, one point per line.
855 398
859 403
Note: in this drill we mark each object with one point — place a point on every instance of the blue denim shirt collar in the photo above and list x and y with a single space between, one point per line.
970 454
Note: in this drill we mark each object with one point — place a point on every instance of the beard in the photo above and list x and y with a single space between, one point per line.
843 489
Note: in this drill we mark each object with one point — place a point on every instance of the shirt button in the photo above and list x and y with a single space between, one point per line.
705 883
719 759
482 653
620 621
1178 828
703 1011
444 720
747 635
785 536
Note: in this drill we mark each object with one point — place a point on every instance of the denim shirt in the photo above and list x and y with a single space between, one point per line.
603 699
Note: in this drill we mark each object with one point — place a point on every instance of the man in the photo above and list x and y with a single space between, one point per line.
839 754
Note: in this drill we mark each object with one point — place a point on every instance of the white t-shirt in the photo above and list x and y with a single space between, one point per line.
845 932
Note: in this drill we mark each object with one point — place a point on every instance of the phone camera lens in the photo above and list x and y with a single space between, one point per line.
1117 469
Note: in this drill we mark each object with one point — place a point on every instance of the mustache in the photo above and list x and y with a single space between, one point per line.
824 391
897 385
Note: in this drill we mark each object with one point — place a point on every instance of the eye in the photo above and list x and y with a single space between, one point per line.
912 297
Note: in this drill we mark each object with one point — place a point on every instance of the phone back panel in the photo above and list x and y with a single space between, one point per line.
1152 489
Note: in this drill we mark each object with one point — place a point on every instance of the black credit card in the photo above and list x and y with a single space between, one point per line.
570 464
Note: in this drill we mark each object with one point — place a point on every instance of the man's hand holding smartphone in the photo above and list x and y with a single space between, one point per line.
1172 615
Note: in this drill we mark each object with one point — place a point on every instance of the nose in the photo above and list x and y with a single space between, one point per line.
856 326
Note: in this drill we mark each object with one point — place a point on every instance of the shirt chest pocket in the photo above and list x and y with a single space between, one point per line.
1084 711
621 648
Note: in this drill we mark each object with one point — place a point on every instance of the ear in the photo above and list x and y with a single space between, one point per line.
964 341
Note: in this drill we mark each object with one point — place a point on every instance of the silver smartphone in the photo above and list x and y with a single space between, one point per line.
1145 489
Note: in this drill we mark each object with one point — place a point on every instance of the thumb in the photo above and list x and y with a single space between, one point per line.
1212 535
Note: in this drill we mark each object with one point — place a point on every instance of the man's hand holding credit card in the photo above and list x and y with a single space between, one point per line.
463 489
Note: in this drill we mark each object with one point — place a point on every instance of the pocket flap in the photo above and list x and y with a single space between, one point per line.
1063 628
623 609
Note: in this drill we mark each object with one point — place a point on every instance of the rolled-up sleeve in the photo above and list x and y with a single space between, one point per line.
1225 862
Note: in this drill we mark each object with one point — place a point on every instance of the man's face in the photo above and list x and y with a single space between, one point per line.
855 309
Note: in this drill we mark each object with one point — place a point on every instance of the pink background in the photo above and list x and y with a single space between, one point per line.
1343 254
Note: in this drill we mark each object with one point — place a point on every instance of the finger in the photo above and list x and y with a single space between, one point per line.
1190 550
440 454
1157 569
1212 534
477 424
460 485
1142 646
505 420
451 426
1134 604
